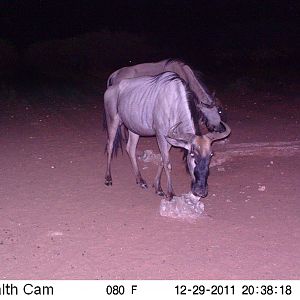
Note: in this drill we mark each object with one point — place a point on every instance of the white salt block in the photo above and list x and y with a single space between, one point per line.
186 207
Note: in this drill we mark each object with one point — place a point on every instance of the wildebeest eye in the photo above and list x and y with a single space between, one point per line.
192 154
211 154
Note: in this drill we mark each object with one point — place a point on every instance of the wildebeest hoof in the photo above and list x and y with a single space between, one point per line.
160 193
169 197
158 190
142 184
108 181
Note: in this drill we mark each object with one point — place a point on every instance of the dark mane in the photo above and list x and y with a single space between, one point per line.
171 77
198 74
195 111
171 60
196 114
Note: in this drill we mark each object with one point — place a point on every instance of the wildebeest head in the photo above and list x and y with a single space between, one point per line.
199 154
213 114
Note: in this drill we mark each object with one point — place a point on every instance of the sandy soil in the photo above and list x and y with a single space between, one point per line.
59 221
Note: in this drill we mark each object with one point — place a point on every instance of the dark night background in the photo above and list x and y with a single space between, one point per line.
96 37
55 58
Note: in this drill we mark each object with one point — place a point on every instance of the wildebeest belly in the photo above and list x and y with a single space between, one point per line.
137 117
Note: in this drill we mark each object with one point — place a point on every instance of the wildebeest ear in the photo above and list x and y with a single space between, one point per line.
179 143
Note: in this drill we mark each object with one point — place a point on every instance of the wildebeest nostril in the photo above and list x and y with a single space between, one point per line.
199 192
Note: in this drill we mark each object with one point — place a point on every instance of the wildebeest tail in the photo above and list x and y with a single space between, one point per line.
118 138
109 82
110 79
118 142
104 123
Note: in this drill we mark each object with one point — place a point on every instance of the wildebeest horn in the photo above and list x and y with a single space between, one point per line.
186 137
219 135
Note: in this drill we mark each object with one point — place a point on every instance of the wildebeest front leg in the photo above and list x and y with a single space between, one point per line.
133 139
157 185
164 148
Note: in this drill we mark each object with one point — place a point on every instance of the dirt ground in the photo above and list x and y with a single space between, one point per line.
59 221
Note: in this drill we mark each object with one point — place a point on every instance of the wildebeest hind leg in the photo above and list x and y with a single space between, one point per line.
112 126
133 139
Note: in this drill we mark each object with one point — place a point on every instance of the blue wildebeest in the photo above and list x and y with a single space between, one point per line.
165 107
211 110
